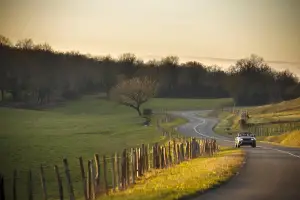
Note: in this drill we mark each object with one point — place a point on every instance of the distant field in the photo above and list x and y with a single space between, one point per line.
91 125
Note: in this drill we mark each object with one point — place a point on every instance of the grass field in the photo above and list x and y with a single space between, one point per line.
90 125
185 179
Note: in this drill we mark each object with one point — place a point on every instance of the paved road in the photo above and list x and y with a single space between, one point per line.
270 173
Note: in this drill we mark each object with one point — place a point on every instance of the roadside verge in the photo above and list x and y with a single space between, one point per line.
186 179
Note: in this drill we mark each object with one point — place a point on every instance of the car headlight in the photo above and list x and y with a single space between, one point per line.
253 139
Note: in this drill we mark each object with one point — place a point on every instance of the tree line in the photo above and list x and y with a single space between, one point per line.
36 74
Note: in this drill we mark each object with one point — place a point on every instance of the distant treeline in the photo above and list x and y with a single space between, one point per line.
35 73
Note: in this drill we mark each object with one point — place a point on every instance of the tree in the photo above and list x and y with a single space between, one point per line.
134 92
4 41
25 44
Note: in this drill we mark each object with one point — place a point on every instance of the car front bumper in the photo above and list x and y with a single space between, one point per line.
246 142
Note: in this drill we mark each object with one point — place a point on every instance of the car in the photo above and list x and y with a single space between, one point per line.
245 138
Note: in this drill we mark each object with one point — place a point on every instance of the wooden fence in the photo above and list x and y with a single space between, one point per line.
96 178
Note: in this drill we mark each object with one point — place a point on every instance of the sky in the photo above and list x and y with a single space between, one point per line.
209 31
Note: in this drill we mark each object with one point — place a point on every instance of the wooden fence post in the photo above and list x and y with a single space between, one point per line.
127 169
123 166
89 180
153 157
93 180
169 156
60 187
178 154
166 158
14 185
133 171
159 163
162 160
70 186
83 178
182 152
30 186
119 180
2 187
43 182
141 160
97 166
174 152
148 157
105 174
113 173
187 150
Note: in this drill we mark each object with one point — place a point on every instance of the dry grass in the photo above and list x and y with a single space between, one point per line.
187 178
286 139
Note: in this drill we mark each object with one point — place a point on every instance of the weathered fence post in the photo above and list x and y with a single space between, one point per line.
89 180
93 180
83 178
70 186
43 182
178 154
60 187
123 166
30 186
187 150
158 154
97 166
182 152
127 169
14 185
105 174
133 171
113 173
119 180
174 152
153 157
2 187
162 160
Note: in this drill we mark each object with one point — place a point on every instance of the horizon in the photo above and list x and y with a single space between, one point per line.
211 32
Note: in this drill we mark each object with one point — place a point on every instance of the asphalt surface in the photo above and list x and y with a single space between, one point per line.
270 172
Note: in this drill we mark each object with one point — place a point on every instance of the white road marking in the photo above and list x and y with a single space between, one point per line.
204 121
281 151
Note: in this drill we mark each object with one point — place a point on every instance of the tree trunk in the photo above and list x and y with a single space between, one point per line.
2 95
138 110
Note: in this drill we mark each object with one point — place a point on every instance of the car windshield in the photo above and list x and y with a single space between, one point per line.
244 134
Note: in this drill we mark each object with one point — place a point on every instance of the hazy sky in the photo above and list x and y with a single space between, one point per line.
190 29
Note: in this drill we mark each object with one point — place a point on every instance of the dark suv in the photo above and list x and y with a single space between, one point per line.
245 138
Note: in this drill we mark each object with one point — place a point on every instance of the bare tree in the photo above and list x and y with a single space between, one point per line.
4 41
25 44
134 92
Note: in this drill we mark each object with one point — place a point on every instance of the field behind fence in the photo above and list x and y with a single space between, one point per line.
102 174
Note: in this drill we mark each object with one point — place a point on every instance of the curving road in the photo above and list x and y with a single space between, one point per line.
270 173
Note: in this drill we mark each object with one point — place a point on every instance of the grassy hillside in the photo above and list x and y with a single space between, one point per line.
286 139
90 125
273 118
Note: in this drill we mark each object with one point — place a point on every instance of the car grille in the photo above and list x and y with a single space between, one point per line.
246 139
